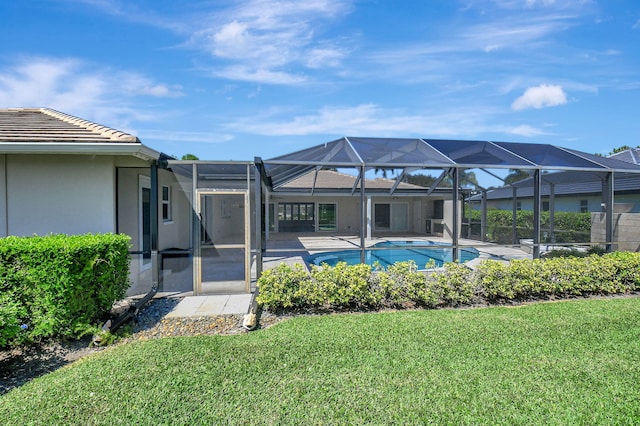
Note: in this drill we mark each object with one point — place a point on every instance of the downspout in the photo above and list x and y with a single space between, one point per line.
536 214
363 215
133 310
250 320
455 196
552 212
6 197
608 195
514 216
483 216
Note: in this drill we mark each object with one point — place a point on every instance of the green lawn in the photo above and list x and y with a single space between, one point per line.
575 362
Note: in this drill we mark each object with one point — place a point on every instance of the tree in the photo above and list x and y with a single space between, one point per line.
466 179
515 175
421 180
621 148
189 157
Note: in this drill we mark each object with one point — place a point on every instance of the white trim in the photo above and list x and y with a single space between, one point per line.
168 202
135 149
317 216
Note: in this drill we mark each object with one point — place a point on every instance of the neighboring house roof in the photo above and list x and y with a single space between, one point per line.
628 183
631 155
329 180
572 184
44 130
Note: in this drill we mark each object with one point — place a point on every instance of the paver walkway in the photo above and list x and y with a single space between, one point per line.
199 306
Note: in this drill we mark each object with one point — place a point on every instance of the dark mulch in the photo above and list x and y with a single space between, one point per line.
21 364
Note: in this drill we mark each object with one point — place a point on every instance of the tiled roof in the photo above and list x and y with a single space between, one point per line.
631 155
625 182
628 183
44 125
329 179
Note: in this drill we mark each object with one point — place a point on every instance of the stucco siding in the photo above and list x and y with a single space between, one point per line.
59 194
3 197
567 203
176 232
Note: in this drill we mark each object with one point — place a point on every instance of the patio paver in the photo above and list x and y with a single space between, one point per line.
198 306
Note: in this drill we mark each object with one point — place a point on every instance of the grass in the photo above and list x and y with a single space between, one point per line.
574 362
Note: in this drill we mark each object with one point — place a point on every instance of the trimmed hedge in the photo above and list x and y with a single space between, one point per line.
402 285
59 286
569 227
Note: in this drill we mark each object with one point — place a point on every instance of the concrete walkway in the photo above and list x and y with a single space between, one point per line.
200 306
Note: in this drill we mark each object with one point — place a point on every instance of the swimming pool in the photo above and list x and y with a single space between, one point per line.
389 252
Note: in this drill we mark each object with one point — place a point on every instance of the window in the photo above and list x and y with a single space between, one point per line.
382 216
166 203
518 205
438 209
272 217
391 217
584 206
296 217
545 206
327 218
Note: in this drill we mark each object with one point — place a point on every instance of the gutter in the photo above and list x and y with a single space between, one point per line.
100 148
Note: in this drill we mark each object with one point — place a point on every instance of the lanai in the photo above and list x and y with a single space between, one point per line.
450 158
242 186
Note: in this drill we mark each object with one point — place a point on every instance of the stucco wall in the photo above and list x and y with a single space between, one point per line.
46 194
566 204
348 210
175 233
448 218
3 197
225 218
626 230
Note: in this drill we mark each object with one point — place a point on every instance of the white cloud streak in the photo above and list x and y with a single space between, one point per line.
260 40
541 96
79 88
372 119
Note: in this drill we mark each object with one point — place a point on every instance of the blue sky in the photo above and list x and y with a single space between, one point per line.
237 79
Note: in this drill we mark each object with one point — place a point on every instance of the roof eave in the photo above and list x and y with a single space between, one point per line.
135 149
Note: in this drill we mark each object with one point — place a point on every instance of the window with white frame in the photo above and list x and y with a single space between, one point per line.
166 204
584 206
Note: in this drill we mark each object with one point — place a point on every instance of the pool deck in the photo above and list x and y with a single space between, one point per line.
288 250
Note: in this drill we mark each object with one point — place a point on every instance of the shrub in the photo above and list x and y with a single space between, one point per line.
62 284
453 285
402 285
12 315
340 286
280 286
569 227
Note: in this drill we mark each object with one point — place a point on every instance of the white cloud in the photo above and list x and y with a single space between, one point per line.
258 75
79 88
264 39
180 137
541 96
371 119
526 130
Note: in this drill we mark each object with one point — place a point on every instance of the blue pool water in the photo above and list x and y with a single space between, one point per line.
389 252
